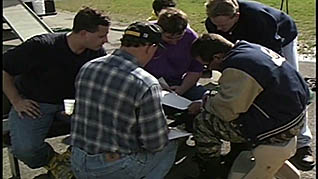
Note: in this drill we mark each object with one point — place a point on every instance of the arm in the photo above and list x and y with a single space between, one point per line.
152 123
17 61
9 88
236 94
189 80
21 105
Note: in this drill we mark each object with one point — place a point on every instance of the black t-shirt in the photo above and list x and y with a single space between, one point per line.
259 24
45 67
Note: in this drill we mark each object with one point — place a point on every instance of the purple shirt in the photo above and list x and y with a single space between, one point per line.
176 60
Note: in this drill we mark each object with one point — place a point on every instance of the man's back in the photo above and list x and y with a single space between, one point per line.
259 24
278 84
111 92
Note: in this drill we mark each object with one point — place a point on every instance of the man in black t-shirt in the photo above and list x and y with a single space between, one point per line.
38 74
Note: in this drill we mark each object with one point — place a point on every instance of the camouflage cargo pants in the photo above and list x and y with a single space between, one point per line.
209 130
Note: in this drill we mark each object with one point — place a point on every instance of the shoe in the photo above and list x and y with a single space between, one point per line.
303 159
215 168
59 166
311 82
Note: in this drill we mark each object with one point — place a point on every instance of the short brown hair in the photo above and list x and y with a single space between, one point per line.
158 5
172 20
216 8
89 19
207 45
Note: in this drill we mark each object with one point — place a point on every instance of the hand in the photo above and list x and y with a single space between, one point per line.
62 115
27 106
165 86
205 96
195 107
177 89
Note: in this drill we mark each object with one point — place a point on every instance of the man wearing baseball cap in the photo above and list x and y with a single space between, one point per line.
119 129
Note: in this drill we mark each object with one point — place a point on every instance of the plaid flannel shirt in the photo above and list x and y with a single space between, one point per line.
118 107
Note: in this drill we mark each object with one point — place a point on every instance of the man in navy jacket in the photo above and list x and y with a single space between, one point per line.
269 27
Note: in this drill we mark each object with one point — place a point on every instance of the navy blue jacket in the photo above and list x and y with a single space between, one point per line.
260 24
281 101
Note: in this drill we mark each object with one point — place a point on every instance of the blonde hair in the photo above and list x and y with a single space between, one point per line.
216 8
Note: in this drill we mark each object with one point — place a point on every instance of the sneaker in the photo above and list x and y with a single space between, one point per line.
215 168
303 159
311 82
59 166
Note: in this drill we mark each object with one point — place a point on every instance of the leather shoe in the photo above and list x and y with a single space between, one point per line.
303 159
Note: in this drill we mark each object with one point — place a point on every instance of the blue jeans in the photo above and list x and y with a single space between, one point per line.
134 166
28 135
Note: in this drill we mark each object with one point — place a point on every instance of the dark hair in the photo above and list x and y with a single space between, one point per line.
89 19
172 20
158 5
207 45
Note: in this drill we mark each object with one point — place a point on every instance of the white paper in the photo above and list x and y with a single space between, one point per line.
177 133
174 100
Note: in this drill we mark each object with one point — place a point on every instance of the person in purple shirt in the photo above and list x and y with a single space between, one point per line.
174 63
181 71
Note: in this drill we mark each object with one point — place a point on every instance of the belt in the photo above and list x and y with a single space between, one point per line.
109 156
112 156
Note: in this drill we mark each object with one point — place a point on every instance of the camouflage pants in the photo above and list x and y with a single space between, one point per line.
209 130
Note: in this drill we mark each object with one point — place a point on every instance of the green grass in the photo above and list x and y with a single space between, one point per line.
302 11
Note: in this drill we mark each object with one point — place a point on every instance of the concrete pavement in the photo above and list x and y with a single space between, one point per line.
64 20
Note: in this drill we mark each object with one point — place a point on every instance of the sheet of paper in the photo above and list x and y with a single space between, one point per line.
174 100
177 133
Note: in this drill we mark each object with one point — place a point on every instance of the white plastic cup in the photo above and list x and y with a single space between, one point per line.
69 106
38 7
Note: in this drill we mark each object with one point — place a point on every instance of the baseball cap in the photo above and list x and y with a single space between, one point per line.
148 32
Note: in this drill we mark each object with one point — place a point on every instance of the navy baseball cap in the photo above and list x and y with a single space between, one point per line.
150 33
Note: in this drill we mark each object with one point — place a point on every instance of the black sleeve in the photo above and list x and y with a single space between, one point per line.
22 58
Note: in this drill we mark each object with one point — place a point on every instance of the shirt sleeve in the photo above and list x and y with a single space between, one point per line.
22 58
151 121
237 92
